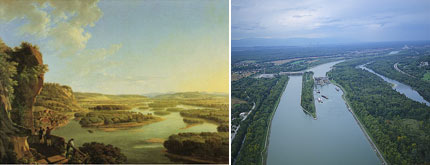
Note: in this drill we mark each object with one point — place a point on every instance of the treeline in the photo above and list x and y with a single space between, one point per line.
219 116
110 107
385 67
111 117
307 102
266 94
237 109
212 146
399 126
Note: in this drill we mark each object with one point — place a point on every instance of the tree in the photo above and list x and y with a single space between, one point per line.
103 154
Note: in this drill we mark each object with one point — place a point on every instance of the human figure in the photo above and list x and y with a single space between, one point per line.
48 136
41 135
70 144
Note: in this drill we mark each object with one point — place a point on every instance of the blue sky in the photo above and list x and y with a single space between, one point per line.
345 20
125 47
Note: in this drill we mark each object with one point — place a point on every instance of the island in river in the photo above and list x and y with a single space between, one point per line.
138 125
142 131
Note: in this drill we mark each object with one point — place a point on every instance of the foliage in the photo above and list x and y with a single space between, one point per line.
161 113
219 116
205 145
409 63
192 121
307 101
7 70
399 126
265 93
222 128
113 117
110 107
103 154
57 97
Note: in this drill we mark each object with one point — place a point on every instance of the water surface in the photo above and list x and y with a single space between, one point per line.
334 138
132 142
400 87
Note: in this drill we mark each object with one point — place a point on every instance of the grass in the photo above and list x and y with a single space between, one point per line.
426 76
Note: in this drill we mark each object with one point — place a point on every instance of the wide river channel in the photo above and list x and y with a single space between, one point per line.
333 138
140 144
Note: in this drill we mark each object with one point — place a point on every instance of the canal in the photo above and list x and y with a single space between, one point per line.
334 138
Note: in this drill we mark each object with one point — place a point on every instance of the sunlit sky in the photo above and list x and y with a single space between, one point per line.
346 20
126 47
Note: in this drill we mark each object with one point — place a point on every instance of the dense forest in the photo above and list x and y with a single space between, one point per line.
208 147
253 131
110 107
219 116
399 126
307 102
98 118
415 79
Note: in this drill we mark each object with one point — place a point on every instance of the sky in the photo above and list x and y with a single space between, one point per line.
340 20
125 47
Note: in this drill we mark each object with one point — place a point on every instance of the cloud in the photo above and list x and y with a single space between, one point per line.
335 18
38 19
61 22
91 61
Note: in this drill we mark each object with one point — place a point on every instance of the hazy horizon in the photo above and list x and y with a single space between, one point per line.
127 47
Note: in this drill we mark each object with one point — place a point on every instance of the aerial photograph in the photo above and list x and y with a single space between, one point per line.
113 82
330 82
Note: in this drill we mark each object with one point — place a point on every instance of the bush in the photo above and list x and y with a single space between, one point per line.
103 154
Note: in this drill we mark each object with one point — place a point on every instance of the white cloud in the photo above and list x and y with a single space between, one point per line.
61 22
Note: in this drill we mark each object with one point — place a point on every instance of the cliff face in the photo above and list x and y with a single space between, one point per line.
20 82
57 97
30 81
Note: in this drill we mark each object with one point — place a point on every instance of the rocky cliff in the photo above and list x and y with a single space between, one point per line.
57 97
21 80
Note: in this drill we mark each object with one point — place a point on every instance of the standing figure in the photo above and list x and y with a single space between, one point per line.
48 136
41 135
70 144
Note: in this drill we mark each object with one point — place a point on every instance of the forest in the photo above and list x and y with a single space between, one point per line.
106 118
398 125
416 77
110 107
205 147
266 94
307 101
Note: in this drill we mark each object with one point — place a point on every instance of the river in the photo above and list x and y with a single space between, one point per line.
400 87
132 142
334 138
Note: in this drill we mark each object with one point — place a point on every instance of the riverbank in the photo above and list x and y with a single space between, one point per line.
191 159
266 141
369 138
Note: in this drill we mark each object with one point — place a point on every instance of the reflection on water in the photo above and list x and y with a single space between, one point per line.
400 87
334 138
133 142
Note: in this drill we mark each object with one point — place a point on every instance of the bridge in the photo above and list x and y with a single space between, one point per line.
291 73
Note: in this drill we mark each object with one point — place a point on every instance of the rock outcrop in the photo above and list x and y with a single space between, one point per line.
21 80
29 76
